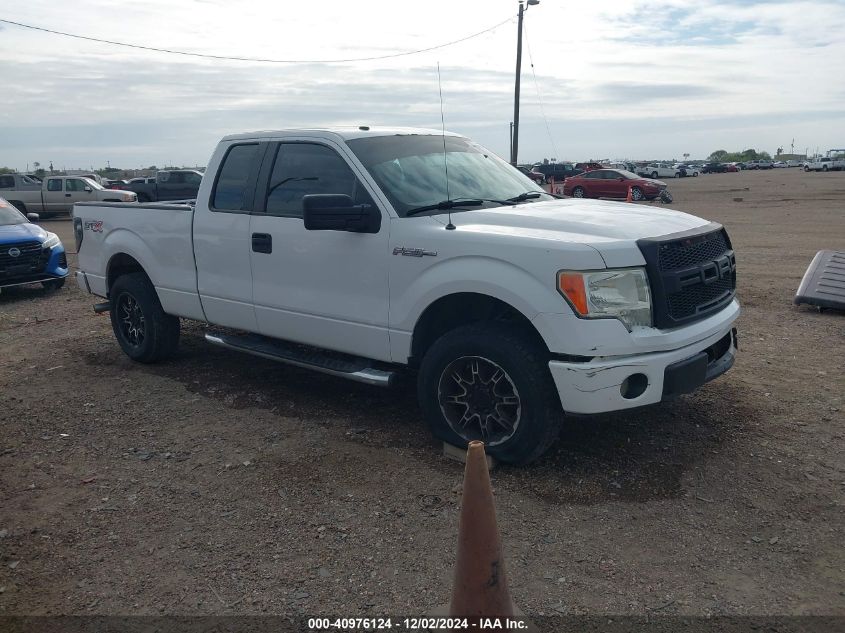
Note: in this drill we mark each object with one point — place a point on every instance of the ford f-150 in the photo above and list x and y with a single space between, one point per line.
365 252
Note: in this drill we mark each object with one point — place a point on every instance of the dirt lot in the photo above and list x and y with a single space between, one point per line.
224 484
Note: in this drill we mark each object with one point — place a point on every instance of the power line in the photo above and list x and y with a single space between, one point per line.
253 59
539 97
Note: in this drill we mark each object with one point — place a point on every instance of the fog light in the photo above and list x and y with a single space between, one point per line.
634 386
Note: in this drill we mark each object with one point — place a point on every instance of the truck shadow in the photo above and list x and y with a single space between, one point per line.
633 456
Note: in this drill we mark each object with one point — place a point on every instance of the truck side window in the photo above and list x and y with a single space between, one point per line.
7 182
301 169
72 184
54 184
234 176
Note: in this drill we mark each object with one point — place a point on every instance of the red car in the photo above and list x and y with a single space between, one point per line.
590 166
612 183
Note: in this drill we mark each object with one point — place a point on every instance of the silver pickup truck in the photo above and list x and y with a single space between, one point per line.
57 194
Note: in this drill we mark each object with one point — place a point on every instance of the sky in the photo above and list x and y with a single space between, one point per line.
632 79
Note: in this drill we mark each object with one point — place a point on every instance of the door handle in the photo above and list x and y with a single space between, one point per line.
67 195
262 243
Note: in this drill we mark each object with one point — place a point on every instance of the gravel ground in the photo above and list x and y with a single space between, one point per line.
219 483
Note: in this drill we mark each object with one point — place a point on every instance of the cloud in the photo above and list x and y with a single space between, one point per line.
624 93
621 78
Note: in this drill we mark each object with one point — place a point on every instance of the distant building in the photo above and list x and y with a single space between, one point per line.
790 157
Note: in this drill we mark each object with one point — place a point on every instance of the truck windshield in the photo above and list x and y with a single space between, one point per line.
410 170
94 185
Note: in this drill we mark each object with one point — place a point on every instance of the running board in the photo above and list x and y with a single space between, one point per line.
332 363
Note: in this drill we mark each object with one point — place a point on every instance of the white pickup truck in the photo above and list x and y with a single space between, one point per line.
357 253
58 194
825 164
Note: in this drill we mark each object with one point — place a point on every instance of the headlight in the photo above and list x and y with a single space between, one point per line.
619 294
129 197
52 240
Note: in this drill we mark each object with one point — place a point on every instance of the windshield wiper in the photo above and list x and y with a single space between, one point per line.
528 195
445 205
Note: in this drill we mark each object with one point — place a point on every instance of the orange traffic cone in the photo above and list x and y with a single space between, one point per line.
481 587
630 197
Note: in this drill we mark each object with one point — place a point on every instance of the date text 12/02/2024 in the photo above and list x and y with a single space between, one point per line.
417 624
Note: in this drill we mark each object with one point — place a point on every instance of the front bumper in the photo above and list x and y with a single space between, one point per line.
56 267
633 381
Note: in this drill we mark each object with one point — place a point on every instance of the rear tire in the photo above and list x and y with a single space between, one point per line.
490 382
20 206
653 175
144 331
578 192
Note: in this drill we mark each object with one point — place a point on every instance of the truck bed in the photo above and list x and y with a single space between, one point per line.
156 235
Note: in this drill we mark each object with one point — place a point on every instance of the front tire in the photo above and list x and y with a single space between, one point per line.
490 382
53 284
636 194
144 331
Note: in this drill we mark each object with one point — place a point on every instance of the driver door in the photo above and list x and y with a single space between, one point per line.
324 288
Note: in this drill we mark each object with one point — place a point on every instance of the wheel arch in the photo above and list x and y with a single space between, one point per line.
464 308
122 264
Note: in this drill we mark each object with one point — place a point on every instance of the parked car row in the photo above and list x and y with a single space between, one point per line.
57 194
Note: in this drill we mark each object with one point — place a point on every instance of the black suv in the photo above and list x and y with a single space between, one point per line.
714 168
558 171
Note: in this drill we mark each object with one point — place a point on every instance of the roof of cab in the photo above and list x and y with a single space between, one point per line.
344 132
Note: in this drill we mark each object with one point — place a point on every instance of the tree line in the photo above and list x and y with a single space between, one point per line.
724 156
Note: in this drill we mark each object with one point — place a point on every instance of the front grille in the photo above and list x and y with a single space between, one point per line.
692 274
676 255
31 260
689 301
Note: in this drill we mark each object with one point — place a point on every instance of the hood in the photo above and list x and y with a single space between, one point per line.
18 232
612 228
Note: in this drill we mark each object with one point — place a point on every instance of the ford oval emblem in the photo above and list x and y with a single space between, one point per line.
14 252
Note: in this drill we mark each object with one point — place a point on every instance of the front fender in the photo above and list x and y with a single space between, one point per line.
476 274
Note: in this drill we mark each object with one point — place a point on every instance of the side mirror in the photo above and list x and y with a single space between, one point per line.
620 179
33 217
88 189
335 212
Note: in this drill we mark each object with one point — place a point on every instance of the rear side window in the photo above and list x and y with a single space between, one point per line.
7 182
54 184
301 169
231 192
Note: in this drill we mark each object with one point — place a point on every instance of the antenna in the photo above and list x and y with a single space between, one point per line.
450 226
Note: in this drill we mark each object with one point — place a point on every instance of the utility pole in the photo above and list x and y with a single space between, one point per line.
510 139
515 135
